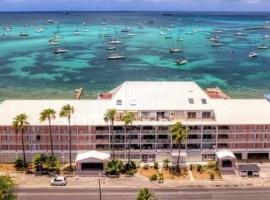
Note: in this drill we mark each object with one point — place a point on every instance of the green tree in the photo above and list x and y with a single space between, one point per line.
114 167
179 135
146 194
19 162
128 119
48 114
67 111
7 186
20 124
109 116
39 161
52 163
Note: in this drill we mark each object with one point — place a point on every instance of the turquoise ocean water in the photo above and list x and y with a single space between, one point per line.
29 69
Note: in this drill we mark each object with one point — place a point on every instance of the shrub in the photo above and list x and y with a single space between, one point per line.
146 194
19 162
130 166
199 168
160 177
146 166
166 163
114 167
7 186
212 175
39 161
52 164
156 165
154 177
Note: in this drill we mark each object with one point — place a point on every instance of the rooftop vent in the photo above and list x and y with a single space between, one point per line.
133 102
119 102
204 101
191 101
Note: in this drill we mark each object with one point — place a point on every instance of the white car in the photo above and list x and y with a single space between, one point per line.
59 181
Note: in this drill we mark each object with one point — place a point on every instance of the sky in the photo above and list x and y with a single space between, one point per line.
135 5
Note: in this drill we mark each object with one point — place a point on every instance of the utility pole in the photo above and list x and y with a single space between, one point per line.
100 198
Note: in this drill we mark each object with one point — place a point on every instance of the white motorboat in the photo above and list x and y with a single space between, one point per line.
116 57
59 50
253 54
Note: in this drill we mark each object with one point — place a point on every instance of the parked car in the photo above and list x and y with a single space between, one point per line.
59 181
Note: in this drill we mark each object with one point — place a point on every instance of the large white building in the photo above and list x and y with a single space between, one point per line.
240 125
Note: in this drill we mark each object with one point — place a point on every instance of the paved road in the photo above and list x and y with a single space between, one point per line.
130 194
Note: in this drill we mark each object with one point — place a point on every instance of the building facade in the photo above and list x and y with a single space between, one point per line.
239 125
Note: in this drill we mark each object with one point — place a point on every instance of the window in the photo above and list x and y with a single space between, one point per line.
119 102
191 115
204 101
191 101
38 137
206 115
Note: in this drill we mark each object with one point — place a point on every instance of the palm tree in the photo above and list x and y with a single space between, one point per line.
48 114
20 123
128 119
109 117
179 134
67 111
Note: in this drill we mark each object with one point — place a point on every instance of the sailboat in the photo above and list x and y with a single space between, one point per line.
109 48
116 56
183 60
175 49
262 47
190 32
115 40
56 43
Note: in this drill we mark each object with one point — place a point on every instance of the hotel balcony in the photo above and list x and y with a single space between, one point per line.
209 140
194 141
150 141
163 141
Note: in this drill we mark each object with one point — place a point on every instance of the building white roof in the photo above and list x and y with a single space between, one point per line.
242 111
154 95
96 155
225 154
87 112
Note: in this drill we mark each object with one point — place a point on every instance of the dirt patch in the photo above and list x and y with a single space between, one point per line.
147 172
168 175
7 168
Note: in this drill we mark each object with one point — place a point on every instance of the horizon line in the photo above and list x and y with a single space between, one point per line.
171 11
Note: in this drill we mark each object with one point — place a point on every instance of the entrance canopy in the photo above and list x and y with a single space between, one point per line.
92 156
225 154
